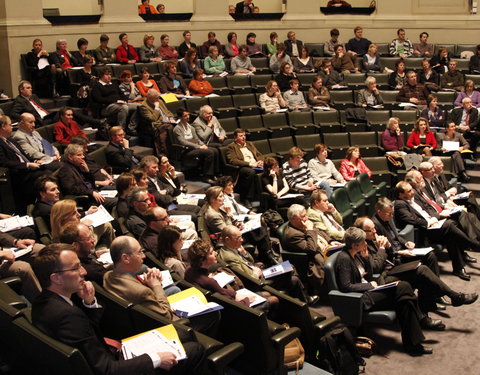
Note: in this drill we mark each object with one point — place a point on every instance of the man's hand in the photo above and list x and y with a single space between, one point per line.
34 165
99 198
23 244
414 100
7 255
406 253
410 245
92 210
87 293
152 278
167 360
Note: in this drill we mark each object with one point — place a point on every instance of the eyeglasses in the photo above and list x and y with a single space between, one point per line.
138 252
77 268
162 219
145 200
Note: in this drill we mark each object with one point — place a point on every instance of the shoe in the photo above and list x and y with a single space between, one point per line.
312 300
464 299
467 258
440 307
464 177
418 350
208 180
462 274
247 204
443 301
432 324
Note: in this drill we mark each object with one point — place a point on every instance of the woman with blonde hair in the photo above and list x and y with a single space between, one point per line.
272 100
65 211
149 52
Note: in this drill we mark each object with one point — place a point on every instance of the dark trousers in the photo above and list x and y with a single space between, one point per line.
246 183
209 159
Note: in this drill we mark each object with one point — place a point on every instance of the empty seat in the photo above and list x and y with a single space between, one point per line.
280 146
175 106
337 143
247 104
413 63
240 84
263 146
341 98
229 124
278 123
340 200
254 126
328 121
259 81
193 105
261 64
389 96
377 119
355 81
219 85
380 171
302 122
307 143
356 197
465 47
367 143
315 49
383 49
223 106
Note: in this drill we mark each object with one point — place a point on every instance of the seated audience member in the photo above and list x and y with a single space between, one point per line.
212 41
352 165
189 63
358 45
466 119
86 77
369 96
423 49
412 92
398 78
142 179
244 7
400 46
231 48
118 154
303 63
28 102
272 100
241 64
245 155
128 87
160 8
474 63
422 139
253 48
329 46
371 60
352 259
323 169
9 266
440 61
230 202
298 175
103 53
107 95
294 99
338 3
470 92
429 77
42 79
65 211
302 237
293 46
186 135
145 83
318 95
283 78
157 219
392 137
213 63
124 184
198 86
46 188
330 77
409 209
76 178
82 239
324 216
59 313
171 82
278 58
33 145
186 44
155 120
146 8
138 203
63 60
126 53
276 185
23 169
451 135
202 257
167 52
273 45
66 127
127 256
208 128
168 249
149 52
343 62
239 260
433 113
80 55
452 79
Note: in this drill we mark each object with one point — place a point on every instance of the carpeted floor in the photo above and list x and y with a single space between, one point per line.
455 350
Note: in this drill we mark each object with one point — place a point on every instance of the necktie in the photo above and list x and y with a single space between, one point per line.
432 203
38 141
334 223
41 111
467 118
19 154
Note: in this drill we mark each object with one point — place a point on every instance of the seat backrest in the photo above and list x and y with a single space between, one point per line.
229 124
389 96
307 141
260 79
281 145
244 100
193 105
47 132
250 122
281 233
326 117
340 200
217 82
341 96
315 49
354 191
274 119
363 138
218 102
377 117
238 81
329 268
365 183
99 156
336 140
306 79
263 146
300 118
151 66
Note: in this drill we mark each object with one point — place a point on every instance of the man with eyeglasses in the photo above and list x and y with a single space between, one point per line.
67 310
156 219
139 202
412 92
118 154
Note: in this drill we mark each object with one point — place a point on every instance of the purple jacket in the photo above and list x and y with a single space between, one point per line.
391 141
475 99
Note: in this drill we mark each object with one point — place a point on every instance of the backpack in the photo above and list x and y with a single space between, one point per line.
337 352
272 218
294 355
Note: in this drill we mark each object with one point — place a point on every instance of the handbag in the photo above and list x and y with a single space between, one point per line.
294 355
365 346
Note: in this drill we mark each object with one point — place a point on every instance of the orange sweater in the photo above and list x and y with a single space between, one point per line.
200 88
144 89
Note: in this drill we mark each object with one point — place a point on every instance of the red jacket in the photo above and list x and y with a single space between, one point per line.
348 171
63 133
142 9
414 139
122 53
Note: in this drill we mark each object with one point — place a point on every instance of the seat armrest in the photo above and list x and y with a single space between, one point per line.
348 306
219 360
283 338
325 325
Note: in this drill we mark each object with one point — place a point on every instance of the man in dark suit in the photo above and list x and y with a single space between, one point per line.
119 156
466 119
75 321
293 46
409 211
245 155
244 7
